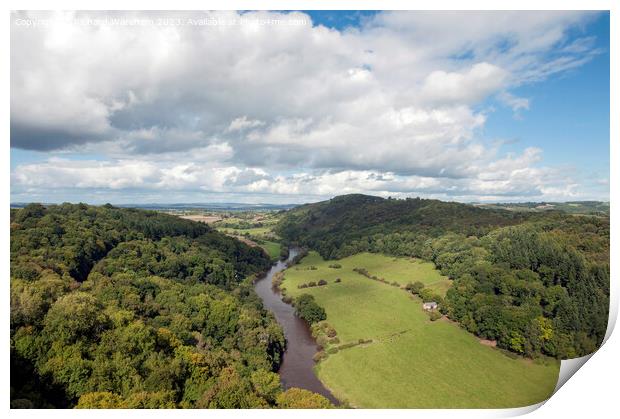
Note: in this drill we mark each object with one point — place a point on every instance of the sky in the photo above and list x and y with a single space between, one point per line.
294 107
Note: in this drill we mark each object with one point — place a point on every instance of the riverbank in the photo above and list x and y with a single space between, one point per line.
297 368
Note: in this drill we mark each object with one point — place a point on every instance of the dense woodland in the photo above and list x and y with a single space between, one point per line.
537 283
128 308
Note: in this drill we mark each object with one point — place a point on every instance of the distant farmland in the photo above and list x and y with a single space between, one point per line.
208 219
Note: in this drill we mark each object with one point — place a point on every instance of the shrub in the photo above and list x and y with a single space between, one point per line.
312 268
316 330
319 356
434 315
348 345
332 351
287 299
322 282
331 332
312 284
415 287
334 341
338 280
427 295
394 284
277 279
335 266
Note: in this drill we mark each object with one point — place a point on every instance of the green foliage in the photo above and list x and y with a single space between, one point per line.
123 308
415 287
308 309
266 384
75 317
434 315
331 227
297 398
99 400
230 391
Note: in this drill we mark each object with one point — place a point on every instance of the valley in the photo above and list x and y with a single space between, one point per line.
410 361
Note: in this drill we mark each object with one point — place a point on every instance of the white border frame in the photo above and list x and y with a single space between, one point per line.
592 392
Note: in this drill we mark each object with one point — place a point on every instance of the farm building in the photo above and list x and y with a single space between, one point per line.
429 306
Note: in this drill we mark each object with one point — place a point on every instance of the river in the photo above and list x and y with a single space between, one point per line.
297 364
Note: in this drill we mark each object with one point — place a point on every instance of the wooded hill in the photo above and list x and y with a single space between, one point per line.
538 283
128 308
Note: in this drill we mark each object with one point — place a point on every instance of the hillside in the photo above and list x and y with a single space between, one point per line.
537 283
128 308
327 226
575 207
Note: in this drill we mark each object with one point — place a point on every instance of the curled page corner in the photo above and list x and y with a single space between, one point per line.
568 367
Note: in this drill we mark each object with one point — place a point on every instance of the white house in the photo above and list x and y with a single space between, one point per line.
431 305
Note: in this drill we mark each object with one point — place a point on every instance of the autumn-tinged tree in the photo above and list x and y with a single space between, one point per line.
297 398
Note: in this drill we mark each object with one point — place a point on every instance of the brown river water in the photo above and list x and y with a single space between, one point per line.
297 364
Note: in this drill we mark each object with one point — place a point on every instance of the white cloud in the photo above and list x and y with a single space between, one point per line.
469 86
388 107
56 173
509 178
243 123
516 103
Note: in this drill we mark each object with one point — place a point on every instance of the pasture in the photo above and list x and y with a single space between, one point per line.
272 248
411 361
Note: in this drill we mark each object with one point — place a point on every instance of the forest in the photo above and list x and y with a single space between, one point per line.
126 308
537 283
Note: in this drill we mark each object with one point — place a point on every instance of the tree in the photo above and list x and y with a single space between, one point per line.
99 400
297 398
76 316
308 309
127 308
230 391
266 384
415 287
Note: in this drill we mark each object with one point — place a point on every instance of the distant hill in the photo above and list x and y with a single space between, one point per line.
214 206
326 226
571 207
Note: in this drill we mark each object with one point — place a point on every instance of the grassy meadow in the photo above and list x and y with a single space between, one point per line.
272 248
411 361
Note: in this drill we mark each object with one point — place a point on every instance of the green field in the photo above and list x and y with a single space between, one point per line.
254 231
411 362
263 235
401 270
272 249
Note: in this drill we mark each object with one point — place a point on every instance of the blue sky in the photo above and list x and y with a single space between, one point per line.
568 115
391 104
